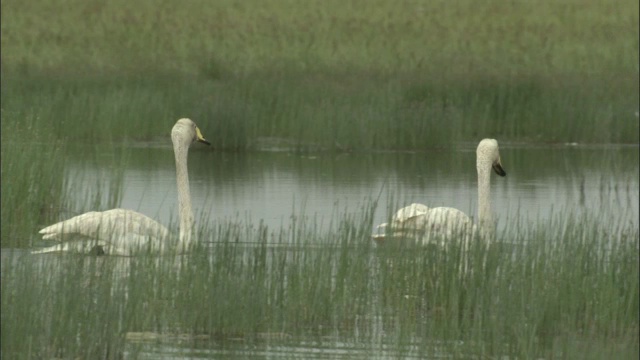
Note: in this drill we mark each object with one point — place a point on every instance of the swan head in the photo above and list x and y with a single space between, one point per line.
488 155
186 132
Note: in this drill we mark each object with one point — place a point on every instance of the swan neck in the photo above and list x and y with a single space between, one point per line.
184 195
485 218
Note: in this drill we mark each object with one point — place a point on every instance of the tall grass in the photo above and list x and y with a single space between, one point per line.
329 111
33 178
37 186
221 37
555 289
342 75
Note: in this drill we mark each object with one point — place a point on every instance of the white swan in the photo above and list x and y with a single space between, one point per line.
427 225
123 232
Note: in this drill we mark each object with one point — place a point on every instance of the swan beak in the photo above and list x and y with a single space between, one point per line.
497 167
201 138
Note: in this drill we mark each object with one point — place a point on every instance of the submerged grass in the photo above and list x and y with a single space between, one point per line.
541 290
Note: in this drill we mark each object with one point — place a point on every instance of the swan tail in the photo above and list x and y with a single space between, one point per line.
84 247
87 224
57 231
51 236
51 249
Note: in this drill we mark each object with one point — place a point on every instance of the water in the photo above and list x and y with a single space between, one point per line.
271 187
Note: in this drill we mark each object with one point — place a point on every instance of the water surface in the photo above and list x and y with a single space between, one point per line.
272 186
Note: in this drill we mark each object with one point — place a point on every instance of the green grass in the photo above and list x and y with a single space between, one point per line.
33 178
569 284
327 111
341 76
36 185
221 37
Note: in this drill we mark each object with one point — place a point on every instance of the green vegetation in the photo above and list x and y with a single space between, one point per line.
229 37
33 181
553 290
339 75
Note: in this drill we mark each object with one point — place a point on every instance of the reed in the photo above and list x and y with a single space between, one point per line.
33 178
540 290
327 111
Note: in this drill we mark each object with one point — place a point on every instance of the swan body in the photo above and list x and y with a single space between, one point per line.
436 225
122 231
115 231
430 226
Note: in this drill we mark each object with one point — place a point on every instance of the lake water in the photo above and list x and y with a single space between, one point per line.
272 186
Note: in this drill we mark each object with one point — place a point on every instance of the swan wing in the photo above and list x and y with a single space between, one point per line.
405 214
408 212
104 225
428 225
117 230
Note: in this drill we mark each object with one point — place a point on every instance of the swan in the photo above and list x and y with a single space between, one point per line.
122 231
428 225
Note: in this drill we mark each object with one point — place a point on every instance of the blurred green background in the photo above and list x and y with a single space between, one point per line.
376 74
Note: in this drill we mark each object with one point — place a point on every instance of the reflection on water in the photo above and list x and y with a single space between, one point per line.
273 186
300 350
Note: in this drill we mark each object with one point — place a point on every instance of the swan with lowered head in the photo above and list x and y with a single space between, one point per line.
427 225
123 232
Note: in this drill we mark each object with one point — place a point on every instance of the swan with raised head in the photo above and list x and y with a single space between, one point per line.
428 225
124 232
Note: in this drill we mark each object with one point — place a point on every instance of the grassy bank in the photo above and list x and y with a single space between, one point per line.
567 290
342 75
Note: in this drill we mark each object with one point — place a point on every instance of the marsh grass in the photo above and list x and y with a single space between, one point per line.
330 110
224 37
38 189
539 290
33 178
317 75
